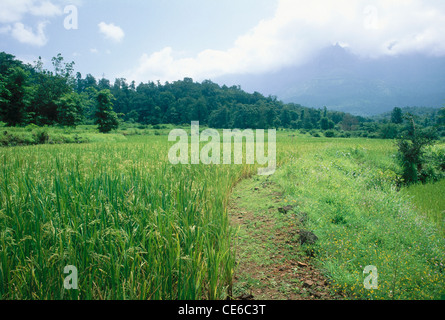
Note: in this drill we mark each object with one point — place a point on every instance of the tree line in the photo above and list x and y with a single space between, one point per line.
30 94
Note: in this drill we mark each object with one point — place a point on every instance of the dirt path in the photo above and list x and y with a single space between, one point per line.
271 263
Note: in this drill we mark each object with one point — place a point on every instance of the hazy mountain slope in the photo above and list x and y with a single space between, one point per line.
342 81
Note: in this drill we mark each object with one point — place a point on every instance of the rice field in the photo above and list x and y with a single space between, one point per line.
134 226
429 200
137 227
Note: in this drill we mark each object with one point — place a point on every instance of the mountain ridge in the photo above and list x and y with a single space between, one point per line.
341 81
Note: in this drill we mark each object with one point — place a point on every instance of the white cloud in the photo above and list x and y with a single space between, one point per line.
111 31
14 10
26 35
301 28
45 9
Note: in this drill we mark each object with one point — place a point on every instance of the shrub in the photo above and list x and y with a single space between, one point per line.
31 127
329 134
41 135
315 133
11 140
106 118
411 148
433 168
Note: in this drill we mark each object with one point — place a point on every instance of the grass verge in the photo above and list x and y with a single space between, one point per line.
361 219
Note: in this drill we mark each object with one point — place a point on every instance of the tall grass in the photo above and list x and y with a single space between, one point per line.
348 191
135 226
429 199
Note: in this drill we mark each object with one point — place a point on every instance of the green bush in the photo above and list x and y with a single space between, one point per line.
8 139
329 134
315 133
433 168
31 127
41 135
412 155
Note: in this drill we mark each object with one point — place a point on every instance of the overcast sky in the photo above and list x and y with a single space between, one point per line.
168 40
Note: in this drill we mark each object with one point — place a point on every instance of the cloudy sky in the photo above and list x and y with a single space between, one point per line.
168 40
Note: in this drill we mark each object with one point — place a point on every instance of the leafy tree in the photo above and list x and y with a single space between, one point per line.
411 147
306 120
219 118
389 131
325 124
285 118
441 118
70 108
106 118
132 116
172 116
397 116
325 112
49 87
271 115
104 84
349 122
15 96
199 111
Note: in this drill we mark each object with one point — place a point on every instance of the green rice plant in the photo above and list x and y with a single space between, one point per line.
429 200
135 226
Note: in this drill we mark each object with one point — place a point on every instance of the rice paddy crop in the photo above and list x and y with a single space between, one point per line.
135 226
429 200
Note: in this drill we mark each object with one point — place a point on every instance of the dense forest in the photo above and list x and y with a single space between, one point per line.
30 94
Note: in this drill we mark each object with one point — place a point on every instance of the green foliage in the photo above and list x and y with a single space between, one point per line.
49 89
441 118
326 124
429 200
329 134
41 135
350 196
14 96
135 226
315 133
411 147
31 94
11 139
433 168
389 131
70 109
397 116
106 118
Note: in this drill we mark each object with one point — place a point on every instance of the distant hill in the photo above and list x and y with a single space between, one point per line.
341 81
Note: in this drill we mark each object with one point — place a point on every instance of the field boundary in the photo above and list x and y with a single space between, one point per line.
271 264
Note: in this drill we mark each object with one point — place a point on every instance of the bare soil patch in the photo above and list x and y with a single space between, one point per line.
271 263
